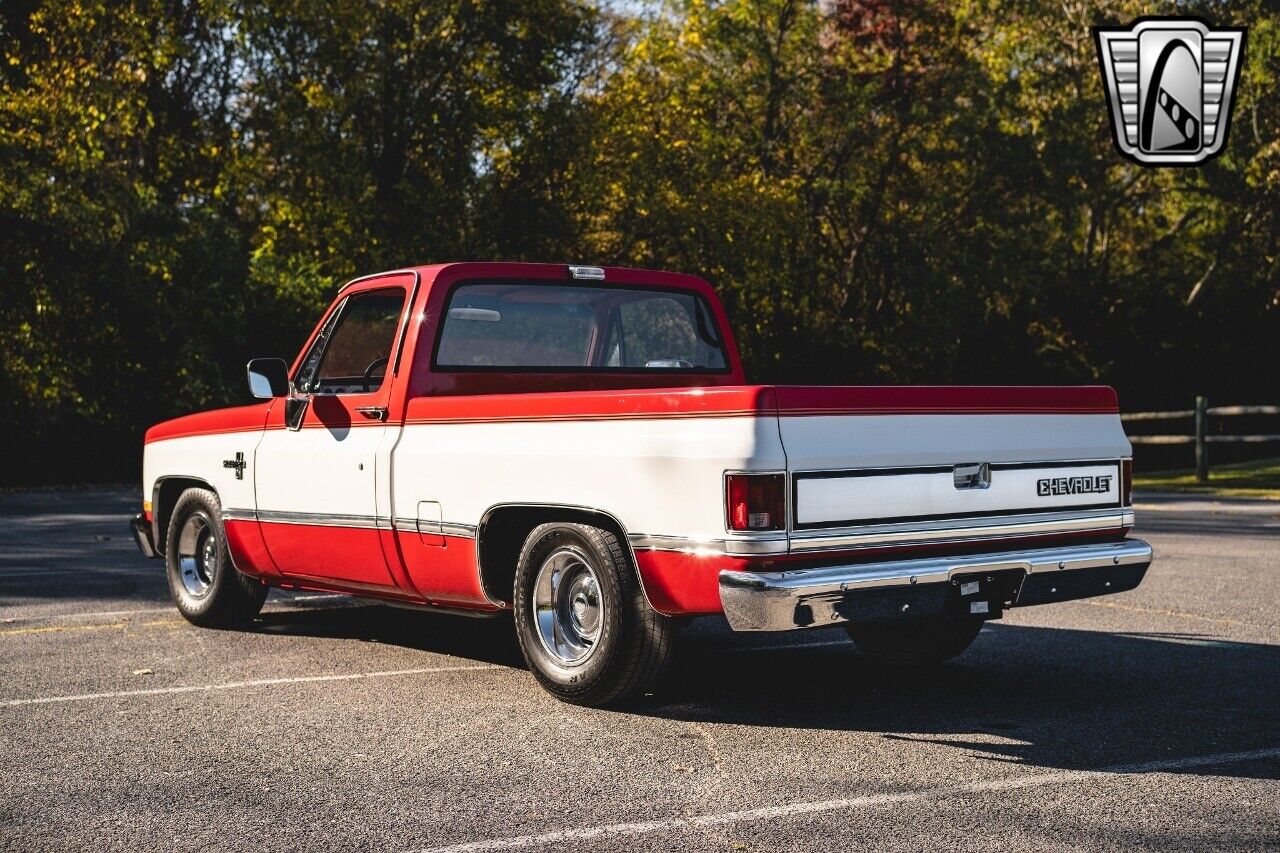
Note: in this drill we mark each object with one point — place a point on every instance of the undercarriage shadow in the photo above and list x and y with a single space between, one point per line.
1040 697
1044 697
489 640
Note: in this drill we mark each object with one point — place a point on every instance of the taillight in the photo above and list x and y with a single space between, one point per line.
756 501
1126 482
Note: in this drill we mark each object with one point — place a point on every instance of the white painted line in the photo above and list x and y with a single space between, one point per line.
322 597
1211 507
588 833
272 606
238 685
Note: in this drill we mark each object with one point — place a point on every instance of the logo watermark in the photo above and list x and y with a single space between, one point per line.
1169 84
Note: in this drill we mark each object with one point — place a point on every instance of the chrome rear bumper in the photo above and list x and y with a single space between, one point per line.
803 598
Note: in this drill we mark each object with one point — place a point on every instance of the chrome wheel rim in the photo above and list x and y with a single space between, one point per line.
197 555
568 608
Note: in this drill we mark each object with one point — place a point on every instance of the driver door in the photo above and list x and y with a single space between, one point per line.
317 477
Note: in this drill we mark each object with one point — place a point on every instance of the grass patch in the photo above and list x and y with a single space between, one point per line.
1257 479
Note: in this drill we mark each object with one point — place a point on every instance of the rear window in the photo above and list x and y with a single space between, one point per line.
557 327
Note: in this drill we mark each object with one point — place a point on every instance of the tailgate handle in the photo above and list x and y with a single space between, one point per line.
973 475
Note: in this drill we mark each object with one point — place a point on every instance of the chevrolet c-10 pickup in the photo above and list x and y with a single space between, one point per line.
577 447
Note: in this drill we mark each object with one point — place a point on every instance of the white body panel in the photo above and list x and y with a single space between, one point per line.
319 471
202 457
656 476
835 442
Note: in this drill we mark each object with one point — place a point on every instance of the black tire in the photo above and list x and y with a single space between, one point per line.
206 588
632 642
915 642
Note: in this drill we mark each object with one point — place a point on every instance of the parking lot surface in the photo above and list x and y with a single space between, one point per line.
1146 720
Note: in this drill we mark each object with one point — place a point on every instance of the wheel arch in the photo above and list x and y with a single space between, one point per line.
164 497
504 528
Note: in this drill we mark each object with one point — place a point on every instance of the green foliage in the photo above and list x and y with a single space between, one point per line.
883 190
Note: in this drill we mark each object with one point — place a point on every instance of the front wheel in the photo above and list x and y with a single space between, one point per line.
207 589
915 642
584 625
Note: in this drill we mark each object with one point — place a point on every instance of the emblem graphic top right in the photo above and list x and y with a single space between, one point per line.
1169 84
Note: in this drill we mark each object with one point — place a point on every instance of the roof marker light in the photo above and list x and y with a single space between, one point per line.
593 273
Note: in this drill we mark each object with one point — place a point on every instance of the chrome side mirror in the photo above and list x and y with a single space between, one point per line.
268 378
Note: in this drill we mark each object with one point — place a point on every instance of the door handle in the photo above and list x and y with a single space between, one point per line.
373 413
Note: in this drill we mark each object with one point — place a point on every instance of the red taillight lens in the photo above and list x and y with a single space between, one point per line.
1126 482
756 501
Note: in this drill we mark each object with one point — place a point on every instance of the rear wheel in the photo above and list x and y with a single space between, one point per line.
915 642
584 625
207 589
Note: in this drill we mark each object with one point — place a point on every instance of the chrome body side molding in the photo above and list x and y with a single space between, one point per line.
944 531
403 524
784 601
814 543
968 530
771 544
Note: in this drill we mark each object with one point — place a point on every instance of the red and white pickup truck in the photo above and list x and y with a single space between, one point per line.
578 447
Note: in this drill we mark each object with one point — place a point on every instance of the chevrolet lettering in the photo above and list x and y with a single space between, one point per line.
1073 486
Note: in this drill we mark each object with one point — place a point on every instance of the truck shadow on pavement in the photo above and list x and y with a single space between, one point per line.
1041 697
485 640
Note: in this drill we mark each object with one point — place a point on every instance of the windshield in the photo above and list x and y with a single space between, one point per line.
547 326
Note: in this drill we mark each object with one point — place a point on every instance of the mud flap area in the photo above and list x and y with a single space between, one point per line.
1052 587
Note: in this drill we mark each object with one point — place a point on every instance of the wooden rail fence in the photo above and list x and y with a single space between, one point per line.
1201 438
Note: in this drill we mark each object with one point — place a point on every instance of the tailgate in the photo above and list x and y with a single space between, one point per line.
868 456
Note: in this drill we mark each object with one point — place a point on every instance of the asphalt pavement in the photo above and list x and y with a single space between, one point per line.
1145 720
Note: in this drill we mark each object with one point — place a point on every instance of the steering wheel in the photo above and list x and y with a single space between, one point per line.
374 365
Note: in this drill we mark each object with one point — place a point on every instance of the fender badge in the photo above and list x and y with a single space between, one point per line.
238 463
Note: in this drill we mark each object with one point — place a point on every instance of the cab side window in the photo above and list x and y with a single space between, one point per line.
354 353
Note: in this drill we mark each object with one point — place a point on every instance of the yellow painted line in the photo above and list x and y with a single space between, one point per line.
1161 612
55 629
50 629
